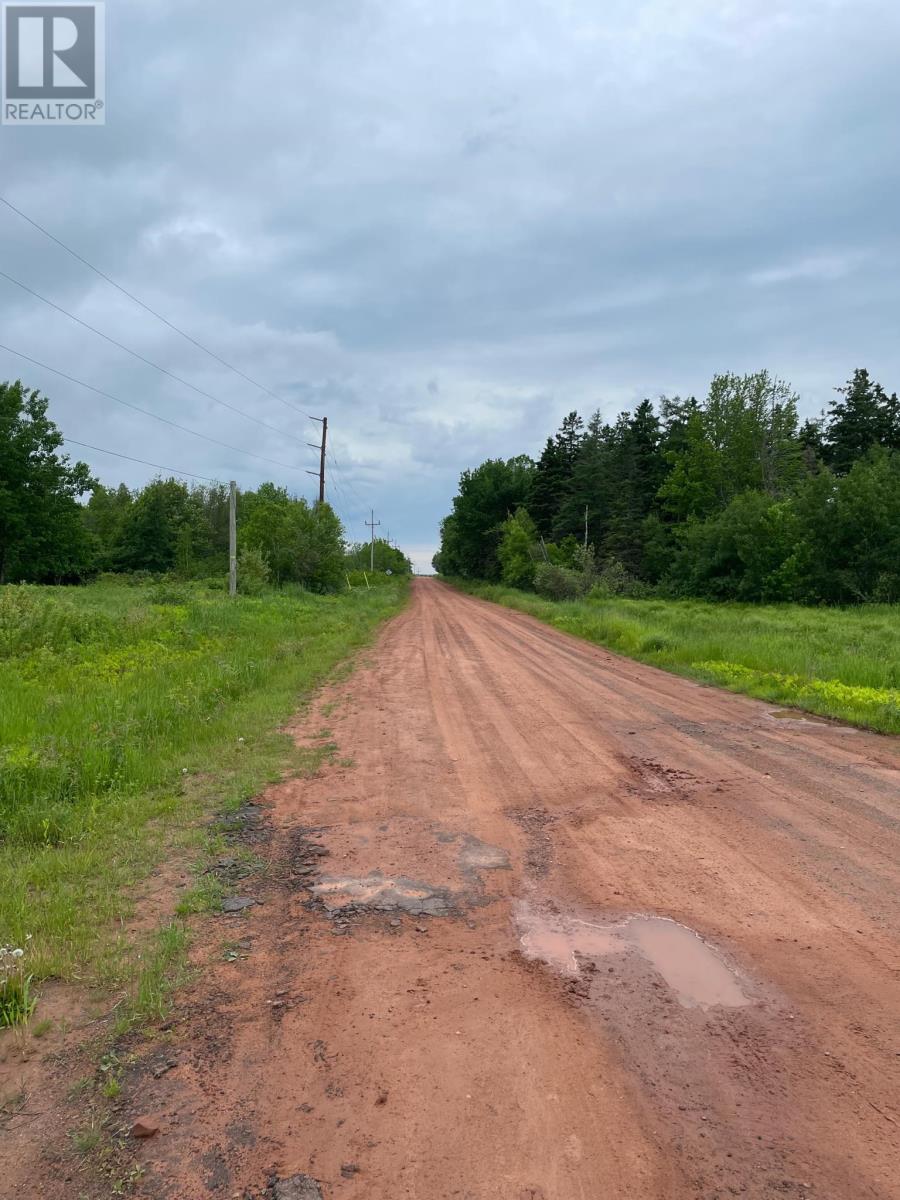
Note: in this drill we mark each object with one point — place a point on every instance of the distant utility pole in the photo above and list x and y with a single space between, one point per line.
232 539
321 448
373 523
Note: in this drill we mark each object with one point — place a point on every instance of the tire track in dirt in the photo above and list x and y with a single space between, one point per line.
370 1047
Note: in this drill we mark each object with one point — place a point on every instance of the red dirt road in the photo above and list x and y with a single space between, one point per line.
442 995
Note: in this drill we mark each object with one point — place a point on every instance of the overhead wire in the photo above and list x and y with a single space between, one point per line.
142 304
146 411
147 361
158 466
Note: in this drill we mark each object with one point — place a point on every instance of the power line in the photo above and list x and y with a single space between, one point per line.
146 412
148 362
346 474
136 300
142 461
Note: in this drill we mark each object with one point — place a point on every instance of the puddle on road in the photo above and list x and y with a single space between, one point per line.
692 969
382 892
787 714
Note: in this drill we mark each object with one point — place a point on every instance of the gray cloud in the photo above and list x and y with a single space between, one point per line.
447 225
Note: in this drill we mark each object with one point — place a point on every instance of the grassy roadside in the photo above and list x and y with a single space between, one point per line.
126 716
836 662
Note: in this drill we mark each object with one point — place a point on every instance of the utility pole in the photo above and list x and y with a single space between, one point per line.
321 448
232 539
372 523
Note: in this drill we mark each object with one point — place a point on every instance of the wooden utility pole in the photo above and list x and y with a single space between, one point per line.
232 539
373 523
321 448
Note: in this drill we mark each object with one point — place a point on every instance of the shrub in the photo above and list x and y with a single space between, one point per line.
253 571
558 583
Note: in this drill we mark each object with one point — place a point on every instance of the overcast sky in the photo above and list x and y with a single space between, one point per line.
445 225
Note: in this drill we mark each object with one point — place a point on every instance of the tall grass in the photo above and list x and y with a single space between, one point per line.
122 719
837 662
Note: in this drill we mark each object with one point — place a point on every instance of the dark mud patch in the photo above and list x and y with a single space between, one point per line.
534 822
249 824
656 782
297 1187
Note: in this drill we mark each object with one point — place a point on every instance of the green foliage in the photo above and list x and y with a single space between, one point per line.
33 619
364 578
551 479
16 999
725 498
837 662
517 551
863 417
558 583
126 725
41 533
301 543
252 571
387 558
470 536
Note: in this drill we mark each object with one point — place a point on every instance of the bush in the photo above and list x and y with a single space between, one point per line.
558 583
516 552
614 579
253 572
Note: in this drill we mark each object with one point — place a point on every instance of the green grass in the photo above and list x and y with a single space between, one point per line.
123 724
837 662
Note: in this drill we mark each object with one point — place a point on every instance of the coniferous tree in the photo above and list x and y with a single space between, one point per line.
863 417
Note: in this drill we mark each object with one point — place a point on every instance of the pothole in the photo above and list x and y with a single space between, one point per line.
694 972
476 855
382 893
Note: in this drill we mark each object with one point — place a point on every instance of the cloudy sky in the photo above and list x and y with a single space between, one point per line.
445 225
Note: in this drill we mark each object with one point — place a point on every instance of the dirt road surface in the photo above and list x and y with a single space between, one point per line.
566 928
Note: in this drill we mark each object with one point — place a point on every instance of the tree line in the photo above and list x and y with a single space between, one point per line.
727 497
50 534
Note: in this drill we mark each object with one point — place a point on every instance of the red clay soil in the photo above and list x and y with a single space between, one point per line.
449 992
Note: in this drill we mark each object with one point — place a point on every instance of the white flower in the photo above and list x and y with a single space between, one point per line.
184 770
18 953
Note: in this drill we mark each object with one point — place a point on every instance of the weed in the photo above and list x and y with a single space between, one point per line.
16 999
205 896
163 968
87 1138
41 1028
106 697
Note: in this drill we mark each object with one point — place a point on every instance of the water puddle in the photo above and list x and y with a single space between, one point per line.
787 714
693 970
382 893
